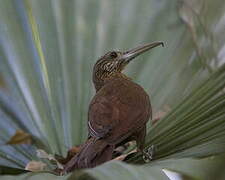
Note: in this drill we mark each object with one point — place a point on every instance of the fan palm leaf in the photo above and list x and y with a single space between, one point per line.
48 49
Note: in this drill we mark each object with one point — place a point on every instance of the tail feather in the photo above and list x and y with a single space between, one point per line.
94 152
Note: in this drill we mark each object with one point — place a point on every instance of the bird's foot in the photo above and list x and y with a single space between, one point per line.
148 153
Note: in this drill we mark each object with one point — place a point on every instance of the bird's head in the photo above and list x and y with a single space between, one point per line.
113 62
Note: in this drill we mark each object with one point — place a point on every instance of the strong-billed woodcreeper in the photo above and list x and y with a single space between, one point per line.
117 113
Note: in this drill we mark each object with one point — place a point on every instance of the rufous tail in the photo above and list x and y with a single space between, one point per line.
93 152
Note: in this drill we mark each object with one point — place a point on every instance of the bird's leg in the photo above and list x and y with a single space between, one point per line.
148 153
140 139
139 136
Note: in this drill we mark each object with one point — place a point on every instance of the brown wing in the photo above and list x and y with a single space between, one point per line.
119 109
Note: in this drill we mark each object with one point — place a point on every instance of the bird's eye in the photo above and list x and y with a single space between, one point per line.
113 54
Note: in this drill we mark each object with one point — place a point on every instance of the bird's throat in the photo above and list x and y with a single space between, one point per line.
99 83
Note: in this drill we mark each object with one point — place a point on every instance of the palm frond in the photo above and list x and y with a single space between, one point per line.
47 51
195 128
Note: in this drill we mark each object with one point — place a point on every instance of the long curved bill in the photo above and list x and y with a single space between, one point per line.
131 54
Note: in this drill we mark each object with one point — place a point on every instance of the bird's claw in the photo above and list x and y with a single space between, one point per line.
148 154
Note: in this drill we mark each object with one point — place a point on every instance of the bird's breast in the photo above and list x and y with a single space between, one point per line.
118 108
125 91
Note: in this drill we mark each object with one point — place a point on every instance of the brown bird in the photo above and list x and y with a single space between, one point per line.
117 113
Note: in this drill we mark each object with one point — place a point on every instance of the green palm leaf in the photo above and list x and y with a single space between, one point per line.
47 51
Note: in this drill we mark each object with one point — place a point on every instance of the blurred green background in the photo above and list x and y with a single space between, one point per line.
47 52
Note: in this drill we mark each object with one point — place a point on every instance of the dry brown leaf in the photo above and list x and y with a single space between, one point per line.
35 166
74 150
20 137
70 154
123 156
42 154
161 113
